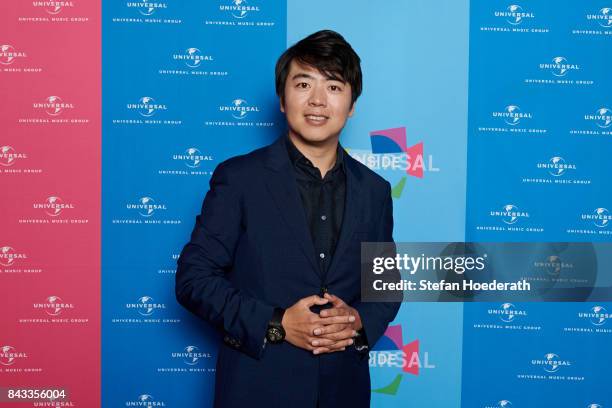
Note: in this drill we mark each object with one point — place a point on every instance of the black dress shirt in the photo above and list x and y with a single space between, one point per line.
323 201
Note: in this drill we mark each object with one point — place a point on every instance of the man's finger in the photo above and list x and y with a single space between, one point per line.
336 311
322 350
336 301
336 346
314 300
336 319
341 335
332 328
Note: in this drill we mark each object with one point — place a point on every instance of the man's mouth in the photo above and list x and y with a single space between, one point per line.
316 118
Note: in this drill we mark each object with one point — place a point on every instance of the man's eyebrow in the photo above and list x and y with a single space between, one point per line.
302 75
329 77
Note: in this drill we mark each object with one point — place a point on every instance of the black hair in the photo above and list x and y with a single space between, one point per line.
328 52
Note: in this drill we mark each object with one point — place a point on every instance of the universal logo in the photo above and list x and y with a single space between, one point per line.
500 404
559 66
192 157
53 7
8 156
507 312
600 217
239 8
510 214
147 107
8 54
145 400
602 118
603 18
597 315
192 57
514 14
146 8
556 166
512 115
239 109
191 355
53 105
53 206
9 356
553 265
145 306
146 206
8 256
53 306
551 363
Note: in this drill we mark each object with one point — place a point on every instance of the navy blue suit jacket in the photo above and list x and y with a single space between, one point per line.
251 251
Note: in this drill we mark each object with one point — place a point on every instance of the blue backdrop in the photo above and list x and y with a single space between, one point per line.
509 104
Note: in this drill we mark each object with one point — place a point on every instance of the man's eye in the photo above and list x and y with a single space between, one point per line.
303 85
335 88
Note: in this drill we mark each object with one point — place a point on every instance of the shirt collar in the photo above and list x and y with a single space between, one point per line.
297 157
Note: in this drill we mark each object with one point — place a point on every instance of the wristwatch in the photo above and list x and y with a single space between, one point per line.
276 332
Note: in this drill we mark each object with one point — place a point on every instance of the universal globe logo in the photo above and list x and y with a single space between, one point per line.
145 306
553 265
53 7
147 107
53 105
239 8
192 157
8 156
53 206
145 7
512 115
559 66
192 57
603 18
8 256
510 214
145 400
602 118
8 355
53 306
601 217
8 54
191 355
551 363
597 315
514 14
507 312
239 108
594 406
556 166
500 404
146 206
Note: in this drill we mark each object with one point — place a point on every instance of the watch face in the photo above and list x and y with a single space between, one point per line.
274 334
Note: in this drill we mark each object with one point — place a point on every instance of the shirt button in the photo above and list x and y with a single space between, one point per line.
323 217
322 255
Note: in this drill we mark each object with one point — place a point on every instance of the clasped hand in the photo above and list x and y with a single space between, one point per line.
328 331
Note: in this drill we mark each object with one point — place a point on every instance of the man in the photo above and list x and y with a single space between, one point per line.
274 258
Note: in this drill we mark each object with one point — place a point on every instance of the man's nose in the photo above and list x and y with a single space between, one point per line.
318 96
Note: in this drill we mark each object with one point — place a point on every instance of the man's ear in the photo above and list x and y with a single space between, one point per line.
282 105
352 109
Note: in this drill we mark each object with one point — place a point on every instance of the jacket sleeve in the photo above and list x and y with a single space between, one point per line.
376 316
201 284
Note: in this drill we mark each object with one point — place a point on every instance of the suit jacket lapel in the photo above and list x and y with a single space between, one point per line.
283 189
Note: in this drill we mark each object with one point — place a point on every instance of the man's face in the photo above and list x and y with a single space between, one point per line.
315 105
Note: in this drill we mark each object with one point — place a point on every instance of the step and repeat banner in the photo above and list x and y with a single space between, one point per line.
491 120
